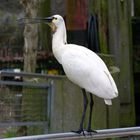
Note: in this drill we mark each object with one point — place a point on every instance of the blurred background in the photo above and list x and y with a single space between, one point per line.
109 28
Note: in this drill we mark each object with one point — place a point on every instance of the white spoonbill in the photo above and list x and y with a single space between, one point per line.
82 66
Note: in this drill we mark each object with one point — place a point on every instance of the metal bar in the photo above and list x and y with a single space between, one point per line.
28 74
101 134
26 84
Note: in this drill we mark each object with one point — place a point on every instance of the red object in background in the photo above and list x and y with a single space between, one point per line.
76 18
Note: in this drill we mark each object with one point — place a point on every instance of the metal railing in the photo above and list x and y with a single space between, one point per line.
28 74
130 132
10 104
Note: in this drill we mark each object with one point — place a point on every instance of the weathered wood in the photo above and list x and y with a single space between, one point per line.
30 36
121 46
137 7
44 34
100 9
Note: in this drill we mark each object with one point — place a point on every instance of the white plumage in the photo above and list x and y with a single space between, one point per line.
82 66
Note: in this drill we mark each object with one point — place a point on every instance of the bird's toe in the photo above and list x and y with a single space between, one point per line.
80 131
90 131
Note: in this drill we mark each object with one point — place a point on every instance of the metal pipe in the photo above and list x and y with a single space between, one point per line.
29 74
26 84
101 134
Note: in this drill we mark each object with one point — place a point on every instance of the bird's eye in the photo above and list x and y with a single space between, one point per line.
55 18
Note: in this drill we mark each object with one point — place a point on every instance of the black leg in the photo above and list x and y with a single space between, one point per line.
90 115
85 101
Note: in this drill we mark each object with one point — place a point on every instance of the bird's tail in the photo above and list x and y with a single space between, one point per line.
108 101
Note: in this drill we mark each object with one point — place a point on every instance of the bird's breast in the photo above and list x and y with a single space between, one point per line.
58 51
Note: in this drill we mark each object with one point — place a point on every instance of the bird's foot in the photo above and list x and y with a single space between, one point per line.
90 131
80 131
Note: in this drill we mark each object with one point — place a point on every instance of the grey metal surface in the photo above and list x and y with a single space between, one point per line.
101 134
28 74
26 84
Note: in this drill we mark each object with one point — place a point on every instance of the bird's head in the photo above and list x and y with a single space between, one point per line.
54 21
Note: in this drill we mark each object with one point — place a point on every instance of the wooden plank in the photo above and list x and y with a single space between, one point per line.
73 105
56 114
100 8
120 43
99 114
45 34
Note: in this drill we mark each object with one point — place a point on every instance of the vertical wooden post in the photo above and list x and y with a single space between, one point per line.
30 36
44 36
100 8
121 46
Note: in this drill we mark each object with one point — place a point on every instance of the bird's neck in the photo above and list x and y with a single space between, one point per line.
58 42
60 35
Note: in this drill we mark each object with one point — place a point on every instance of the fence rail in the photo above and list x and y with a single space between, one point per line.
26 84
130 132
28 74
24 102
